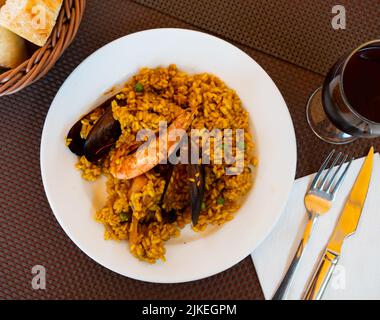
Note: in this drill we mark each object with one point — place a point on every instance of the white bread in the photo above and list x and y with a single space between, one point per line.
12 49
33 20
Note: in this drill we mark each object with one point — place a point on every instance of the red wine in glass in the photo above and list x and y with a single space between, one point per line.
348 105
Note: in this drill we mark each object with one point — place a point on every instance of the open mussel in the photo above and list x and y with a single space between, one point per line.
75 141
196 176
101 137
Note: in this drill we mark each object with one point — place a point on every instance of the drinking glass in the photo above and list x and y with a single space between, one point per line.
334 117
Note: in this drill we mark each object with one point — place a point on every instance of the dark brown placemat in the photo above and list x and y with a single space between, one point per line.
29 233
298 31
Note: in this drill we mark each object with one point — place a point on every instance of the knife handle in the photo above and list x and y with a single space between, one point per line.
322 276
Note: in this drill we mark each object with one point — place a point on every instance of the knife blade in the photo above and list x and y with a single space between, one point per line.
346 226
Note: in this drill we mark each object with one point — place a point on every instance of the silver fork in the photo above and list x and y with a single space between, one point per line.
318 201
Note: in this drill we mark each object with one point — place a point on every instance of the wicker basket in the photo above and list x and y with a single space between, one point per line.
44 58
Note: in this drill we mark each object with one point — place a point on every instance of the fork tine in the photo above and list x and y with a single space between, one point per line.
331 183
329 171
339 183
323 167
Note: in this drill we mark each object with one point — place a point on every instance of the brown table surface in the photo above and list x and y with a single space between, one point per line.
292 40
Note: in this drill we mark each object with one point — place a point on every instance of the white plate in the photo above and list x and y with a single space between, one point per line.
192 256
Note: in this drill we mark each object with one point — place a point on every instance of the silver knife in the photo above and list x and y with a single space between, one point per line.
346 226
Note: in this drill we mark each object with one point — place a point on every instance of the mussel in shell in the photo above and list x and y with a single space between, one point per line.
197 179
100 139
196 175
76 142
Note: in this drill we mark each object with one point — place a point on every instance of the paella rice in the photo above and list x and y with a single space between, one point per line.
149 209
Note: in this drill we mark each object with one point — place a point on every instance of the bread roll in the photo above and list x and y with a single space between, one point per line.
33 20
12 49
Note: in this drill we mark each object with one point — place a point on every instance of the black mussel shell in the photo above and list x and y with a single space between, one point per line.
196 174
166 171
102 137
77 143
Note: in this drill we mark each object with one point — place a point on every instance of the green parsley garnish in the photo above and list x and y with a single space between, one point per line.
139 87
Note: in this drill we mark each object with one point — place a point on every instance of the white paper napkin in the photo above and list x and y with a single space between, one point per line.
358 273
